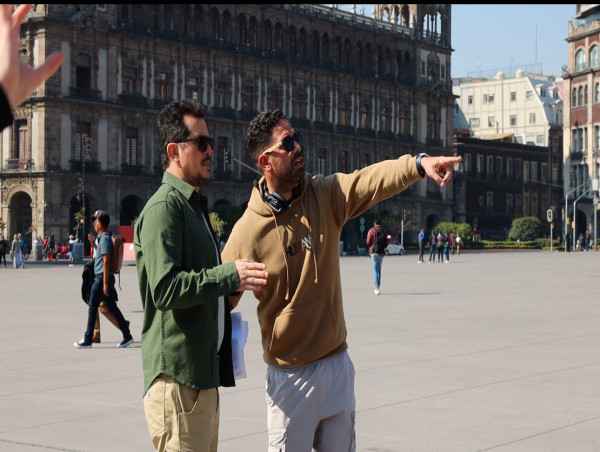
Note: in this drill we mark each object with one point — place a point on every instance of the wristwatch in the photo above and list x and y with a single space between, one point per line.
419 167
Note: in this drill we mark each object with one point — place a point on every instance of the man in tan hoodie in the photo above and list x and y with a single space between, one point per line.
292 224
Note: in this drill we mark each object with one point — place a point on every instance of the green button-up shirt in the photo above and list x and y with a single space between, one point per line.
181 278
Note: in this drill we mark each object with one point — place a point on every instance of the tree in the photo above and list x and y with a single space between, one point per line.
217 224
79 218
525 229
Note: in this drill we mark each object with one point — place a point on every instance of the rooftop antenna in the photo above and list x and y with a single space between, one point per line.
536 43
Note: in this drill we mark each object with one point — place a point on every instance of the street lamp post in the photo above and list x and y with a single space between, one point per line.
567 214
86 153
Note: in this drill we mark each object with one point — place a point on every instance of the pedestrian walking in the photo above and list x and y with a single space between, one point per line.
15 252
103 287
432 247
377 242
421 239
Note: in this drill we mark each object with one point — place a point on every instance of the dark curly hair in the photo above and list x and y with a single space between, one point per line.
171 128
258 136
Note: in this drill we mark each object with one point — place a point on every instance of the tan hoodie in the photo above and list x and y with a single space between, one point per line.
300 310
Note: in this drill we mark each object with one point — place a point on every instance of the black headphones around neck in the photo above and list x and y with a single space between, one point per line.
277 202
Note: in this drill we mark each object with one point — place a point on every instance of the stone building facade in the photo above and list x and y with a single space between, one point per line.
360 89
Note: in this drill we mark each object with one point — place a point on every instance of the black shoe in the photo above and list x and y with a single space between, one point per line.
82 344
125 342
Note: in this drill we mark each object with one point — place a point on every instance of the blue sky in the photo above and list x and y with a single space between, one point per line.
488 38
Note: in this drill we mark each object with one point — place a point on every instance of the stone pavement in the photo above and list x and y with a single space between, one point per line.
493 351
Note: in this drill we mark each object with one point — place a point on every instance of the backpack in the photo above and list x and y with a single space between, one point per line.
380 241
116 257
115 261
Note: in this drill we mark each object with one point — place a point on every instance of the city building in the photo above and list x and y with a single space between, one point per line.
582 121
361 89
509 132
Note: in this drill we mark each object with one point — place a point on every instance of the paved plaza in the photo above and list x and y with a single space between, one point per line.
494 351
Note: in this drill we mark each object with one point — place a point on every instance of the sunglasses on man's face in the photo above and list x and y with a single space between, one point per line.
288 143
202 142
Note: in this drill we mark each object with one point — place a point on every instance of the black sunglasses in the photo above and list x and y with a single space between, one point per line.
202 142
288 143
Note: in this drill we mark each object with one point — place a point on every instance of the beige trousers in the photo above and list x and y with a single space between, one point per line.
181 418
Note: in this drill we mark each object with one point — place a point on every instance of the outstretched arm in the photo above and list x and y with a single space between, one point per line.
17 78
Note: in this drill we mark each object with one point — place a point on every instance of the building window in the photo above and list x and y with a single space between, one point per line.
130 80
274 96
474 122
163 86
248 97
131 141
299 105
221 95
531 118
83 77
485 98
580 96
544 172
518 174
364 116
513 96
509 170
597 92
499 168
322 161
365 160
529 94
193 88
490 202
344 113
580 60
385 119
490 167
82 141
534 172
594 56
526 178
509 204
491 98
404 122
470 100
513 120
344 164
480 167
321 109
491 121
467 165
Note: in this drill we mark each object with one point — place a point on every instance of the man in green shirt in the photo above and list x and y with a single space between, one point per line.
186 332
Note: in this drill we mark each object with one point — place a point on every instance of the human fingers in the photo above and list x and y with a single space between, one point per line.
251 274
19 14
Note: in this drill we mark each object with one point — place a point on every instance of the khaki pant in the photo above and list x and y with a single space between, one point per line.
104 310
182 419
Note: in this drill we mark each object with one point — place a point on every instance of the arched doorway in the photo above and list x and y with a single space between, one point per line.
20 216
131 206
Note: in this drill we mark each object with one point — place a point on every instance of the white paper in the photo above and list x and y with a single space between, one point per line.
239 335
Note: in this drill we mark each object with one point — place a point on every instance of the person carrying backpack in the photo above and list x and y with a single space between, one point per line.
103 287
377 242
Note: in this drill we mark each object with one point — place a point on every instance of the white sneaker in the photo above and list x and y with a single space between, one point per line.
376 291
